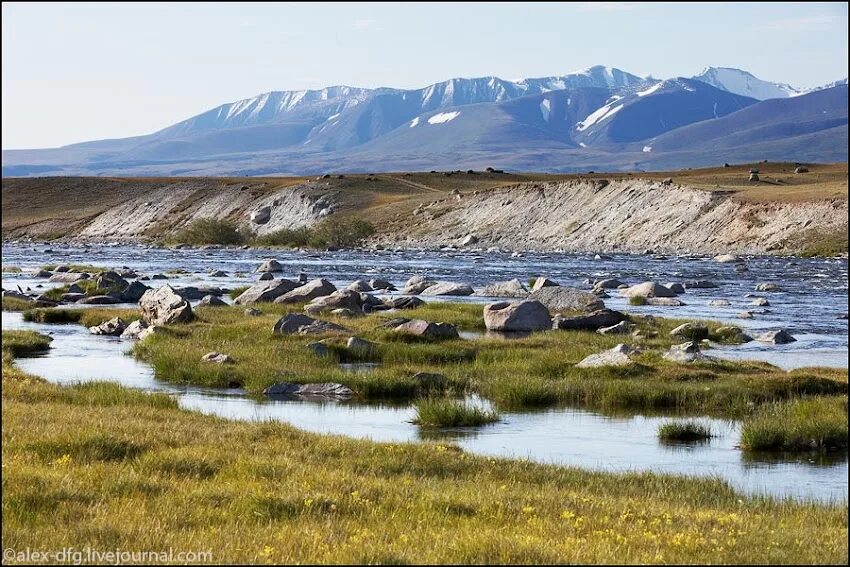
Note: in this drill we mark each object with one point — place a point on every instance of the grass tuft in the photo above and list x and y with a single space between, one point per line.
818 424
687 431
441 412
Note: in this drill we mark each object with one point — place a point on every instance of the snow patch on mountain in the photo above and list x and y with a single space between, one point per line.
443 117
598 115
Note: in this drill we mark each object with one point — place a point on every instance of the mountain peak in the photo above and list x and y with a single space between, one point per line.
744 83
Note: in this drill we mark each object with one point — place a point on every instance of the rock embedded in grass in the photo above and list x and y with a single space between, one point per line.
211 301
617 356
265 291
251 312
687 353
99 300
560 298
621 328
403 302
590 322
296 323
517 316
327 389
730 335
429 380
448 288
690 331
427 329
217 357
164 306
307 292
361 347
68 277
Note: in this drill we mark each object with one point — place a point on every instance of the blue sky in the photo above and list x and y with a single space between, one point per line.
90 71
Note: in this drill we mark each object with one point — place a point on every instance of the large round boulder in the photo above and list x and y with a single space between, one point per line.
517 316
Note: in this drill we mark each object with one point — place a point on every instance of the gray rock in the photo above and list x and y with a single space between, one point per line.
559 298
347 313
270 266
746 315
647 290
265 292
687 353
676 288
307 292
617 356
113 328
72 297
541 282
589 322
298 324
700 284
719 303
100 300
421 328
767 287
690 331
330 390
133 330
110 280
217 357
377 284
41 274
664 302
510 288
193 293
779 337
320 349
469 239
416 285
134 292
403 302
211 301
611 283
340 299
165 306
262 215
448 288
218 274
68 277
732 335
760 302
159 277
517 316
359 286
726 258
360 346
251 312
621 328
429 380
74 288
148 331
266 276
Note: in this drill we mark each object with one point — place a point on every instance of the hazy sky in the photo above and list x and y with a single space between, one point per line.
90 71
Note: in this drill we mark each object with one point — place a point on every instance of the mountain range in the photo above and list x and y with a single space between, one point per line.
600 118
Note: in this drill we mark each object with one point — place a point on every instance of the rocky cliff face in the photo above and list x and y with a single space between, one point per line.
627 215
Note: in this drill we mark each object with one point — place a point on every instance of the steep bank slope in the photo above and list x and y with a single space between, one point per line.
624 215
706 210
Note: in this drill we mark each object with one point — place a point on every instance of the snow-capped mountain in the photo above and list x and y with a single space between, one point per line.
600 117
745 84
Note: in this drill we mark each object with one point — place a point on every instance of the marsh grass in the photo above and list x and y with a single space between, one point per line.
24 343
444 412
16 304
132 471
11 269
801 425
684 431
637 300
86 317
78 268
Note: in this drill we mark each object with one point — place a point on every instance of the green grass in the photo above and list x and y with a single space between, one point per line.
801 425
442 412
212 231
686 431
819 242
127 470
11 269
80 268
86 317
537 371
286 238
88 286
24 343
637 300
16 304
237 291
